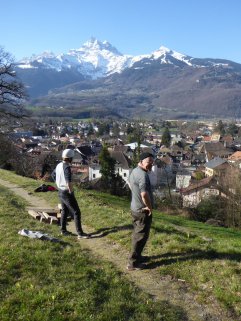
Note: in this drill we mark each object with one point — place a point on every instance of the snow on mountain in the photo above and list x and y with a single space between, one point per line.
163 53
97 59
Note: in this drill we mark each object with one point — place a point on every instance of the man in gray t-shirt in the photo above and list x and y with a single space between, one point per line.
141 209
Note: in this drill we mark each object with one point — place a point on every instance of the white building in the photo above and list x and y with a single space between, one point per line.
183 178
122 166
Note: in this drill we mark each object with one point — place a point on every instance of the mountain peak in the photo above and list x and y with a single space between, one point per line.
94 44
164 49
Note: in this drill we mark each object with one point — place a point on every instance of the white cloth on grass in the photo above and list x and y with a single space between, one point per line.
37 235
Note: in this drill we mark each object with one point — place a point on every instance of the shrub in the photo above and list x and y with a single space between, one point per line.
210 208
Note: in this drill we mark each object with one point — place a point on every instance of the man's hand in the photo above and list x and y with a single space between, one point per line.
148 210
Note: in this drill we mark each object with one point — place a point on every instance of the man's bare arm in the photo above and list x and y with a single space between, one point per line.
147 201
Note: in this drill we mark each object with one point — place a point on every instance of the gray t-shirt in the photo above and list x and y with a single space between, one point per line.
139 182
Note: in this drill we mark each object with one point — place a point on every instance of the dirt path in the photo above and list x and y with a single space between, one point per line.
160 288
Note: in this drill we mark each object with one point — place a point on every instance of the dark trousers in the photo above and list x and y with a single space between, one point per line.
70 207
142 225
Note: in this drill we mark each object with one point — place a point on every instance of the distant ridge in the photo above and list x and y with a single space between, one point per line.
161 83
97 59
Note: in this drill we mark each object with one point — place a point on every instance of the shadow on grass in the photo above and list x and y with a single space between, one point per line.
64 244
108 230
196 231
170 258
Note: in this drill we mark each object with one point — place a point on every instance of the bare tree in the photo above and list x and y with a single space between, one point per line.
11 89
12 93
166 175
232 186
7 152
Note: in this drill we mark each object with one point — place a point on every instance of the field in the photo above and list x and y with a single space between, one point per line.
69 284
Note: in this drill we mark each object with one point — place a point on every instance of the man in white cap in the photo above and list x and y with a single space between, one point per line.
141 209
63 178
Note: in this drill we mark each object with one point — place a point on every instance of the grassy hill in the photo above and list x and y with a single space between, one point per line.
41 280
66 282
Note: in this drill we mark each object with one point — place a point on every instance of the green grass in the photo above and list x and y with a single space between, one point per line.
208 258
42 280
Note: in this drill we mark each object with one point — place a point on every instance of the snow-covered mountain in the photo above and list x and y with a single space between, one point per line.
164 83
96 59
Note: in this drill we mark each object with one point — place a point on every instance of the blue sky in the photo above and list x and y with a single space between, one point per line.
199 28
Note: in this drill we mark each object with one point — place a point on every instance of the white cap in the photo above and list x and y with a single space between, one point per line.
68 153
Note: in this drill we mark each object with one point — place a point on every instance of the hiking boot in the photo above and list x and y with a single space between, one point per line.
137 267
66 233
83 236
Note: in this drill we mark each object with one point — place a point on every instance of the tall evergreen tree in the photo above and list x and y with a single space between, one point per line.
166 137
107 164
233 129
116 130
136 154
220 127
